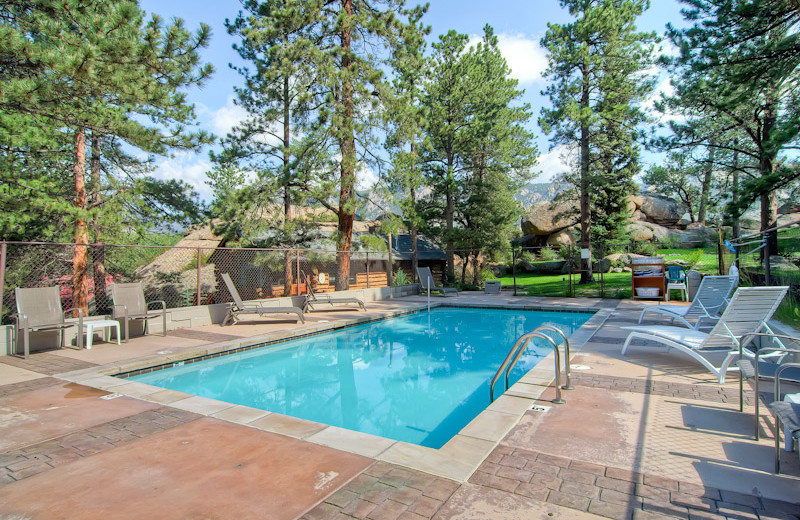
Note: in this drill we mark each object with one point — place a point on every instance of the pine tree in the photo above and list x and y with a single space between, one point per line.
498 153
99 68
447 99
595 66
406 118
739 68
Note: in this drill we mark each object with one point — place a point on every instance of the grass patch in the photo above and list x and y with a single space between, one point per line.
617 285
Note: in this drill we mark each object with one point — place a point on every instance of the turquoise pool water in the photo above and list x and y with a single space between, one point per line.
418 378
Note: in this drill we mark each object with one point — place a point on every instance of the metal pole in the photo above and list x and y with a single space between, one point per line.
367 269
514 268
569 269
3 246
199 265
297 253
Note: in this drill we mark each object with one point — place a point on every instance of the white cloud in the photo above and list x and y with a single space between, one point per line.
367 178
555 162
526 59
226 117
188 167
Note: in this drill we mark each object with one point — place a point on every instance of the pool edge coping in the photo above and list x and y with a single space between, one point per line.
456 460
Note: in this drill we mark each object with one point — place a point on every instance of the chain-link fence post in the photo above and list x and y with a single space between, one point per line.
297 278
601 264
569 271
199 286
3 247
514 268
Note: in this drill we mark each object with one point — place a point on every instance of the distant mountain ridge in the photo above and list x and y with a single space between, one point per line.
373 204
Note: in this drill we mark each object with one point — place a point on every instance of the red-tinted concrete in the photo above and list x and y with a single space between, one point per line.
204 469
31 417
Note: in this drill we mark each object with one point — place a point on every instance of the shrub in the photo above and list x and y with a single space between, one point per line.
401 278
646 249
548 254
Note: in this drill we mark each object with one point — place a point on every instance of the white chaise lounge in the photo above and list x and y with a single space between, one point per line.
748 311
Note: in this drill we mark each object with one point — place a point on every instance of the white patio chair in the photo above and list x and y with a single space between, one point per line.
749 311
708 302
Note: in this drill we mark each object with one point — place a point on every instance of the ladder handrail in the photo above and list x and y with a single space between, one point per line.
516 352
526 338
566 356
557 355
568 385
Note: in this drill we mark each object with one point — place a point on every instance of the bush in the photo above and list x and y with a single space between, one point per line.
569 253
401 278
645 248
548 254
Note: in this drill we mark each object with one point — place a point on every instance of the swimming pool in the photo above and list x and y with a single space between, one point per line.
418 378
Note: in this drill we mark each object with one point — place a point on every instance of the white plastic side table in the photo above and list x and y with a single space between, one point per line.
106 325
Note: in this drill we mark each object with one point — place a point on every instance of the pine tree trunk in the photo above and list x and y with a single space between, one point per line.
80 280
347 202
100 300
766 165
706 187
413 195
449 214
735 187
586 237
287 194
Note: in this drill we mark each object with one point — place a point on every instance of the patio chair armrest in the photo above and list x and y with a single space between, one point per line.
162 302
20 319
80 311
124 310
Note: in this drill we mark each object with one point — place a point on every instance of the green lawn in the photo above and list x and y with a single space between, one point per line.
617 285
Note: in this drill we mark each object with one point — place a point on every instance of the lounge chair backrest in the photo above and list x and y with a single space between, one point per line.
131 295
748 310
232 289
425 277
712 295
676 273
42 305
307 282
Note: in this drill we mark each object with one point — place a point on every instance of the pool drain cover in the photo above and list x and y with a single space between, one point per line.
539 408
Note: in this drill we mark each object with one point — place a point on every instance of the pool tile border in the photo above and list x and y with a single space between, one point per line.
457 459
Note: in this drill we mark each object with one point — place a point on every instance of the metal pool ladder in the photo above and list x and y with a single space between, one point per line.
519 347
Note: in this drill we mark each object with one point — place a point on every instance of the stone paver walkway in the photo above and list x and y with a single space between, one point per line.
646 436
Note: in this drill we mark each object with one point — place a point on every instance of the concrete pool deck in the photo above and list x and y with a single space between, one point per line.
647 435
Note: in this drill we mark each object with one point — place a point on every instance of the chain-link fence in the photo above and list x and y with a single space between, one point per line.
181 276
187 276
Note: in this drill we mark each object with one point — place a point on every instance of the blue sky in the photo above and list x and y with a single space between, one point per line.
519 24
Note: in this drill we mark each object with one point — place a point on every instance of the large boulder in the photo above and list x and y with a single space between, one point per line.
779 263
560 238
660 210
601 266
624 258
642 231
545 218
639 232
789 219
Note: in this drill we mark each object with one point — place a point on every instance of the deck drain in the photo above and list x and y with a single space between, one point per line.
110 396
580 367
539 408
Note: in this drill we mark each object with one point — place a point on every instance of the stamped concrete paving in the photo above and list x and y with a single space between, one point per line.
202 469
648 435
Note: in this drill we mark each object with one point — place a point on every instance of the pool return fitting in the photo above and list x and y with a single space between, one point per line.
521 345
